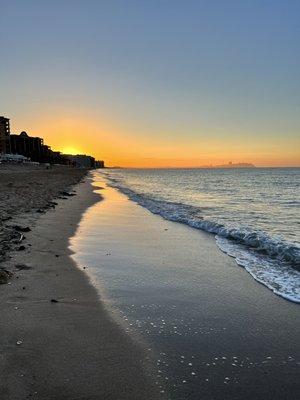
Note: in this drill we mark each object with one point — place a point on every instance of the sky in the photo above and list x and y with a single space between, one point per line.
155 83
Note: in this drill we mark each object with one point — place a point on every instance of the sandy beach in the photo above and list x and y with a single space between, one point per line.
57 341
29 189
149 200
104 300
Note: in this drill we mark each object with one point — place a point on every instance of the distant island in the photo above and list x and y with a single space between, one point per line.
237 165
229 165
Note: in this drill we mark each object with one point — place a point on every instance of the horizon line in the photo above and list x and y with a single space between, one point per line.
205 167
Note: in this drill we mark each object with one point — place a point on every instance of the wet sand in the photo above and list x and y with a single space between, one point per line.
67 348
214 331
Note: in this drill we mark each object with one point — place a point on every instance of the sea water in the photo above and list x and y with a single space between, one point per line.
253 213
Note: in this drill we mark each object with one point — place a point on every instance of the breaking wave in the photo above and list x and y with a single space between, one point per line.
270 260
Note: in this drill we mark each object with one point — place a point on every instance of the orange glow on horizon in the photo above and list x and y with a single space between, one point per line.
122 146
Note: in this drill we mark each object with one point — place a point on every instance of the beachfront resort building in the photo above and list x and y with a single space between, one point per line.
4 135
31 147
81 160
35 149
84 161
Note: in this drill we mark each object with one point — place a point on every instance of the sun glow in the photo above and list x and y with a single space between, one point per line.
71 150
127 146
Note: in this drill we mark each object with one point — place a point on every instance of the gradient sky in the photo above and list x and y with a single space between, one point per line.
155 82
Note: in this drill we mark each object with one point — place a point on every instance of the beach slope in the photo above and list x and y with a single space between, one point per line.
57 341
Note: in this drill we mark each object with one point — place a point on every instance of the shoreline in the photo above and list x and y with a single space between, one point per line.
215 331
62 340
247 247
58 341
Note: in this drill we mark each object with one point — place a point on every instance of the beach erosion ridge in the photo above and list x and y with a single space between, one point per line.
57 340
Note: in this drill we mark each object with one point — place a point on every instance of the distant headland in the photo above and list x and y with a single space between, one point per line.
233 165
210 166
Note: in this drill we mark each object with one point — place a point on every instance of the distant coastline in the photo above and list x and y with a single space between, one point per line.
229 165
237 165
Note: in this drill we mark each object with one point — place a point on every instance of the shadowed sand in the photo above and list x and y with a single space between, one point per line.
69 349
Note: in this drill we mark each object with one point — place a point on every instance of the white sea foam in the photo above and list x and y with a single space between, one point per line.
277 275
270 260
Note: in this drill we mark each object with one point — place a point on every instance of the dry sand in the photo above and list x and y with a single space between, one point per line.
69 349
25 189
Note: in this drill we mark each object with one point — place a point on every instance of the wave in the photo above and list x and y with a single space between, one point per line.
279 277
270 260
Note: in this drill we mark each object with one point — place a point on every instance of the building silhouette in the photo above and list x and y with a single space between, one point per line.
31 147
4 135
81 160
34 149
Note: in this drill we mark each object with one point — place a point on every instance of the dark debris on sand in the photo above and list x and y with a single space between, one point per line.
25 189
5 276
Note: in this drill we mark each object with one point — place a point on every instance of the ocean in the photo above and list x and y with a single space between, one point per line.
253 213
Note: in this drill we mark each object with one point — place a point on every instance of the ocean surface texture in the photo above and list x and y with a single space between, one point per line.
253 213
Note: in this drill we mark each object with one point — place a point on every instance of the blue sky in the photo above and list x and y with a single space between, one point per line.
181 74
